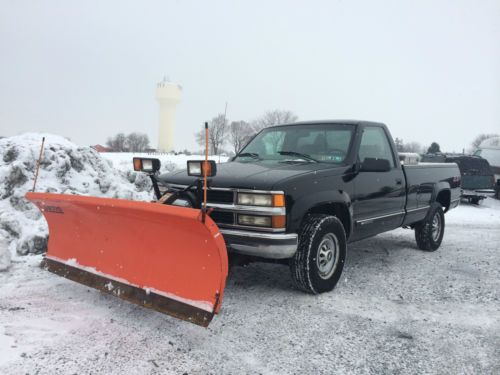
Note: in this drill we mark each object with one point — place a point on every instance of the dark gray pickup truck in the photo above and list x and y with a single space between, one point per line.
298 193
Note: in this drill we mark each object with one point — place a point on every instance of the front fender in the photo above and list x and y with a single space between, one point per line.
312 200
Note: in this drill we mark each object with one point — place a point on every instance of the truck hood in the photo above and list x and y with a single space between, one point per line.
261 175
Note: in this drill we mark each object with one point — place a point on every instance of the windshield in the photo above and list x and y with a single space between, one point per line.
307 143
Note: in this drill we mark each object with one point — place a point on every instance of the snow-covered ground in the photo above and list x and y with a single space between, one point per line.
395 310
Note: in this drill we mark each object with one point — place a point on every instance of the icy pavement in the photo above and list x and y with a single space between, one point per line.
395 310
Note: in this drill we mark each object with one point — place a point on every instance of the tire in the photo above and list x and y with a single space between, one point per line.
426 234
475 201
319 260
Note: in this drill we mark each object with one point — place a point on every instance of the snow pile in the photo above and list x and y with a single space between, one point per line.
4 251
64 168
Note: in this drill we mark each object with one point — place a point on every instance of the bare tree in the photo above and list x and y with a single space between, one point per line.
118 143
401 146
274 117
239 134
412 147
480 138
137 142
216 134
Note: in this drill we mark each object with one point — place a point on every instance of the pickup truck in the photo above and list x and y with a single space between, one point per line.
299 193
477 178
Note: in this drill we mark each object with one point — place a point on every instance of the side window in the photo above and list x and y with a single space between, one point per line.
374 144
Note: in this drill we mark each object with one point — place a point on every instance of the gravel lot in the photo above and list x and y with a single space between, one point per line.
395 310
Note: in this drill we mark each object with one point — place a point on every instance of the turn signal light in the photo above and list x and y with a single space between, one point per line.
279 200
279 221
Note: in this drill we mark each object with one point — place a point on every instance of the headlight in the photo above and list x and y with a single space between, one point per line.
194 168
265 200
147 165
277 222
256 221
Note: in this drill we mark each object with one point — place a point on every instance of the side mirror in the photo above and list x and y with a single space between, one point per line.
375 165
148 165
197 168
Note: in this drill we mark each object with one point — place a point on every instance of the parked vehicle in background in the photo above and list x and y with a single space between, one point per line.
409 158
478 181
489 149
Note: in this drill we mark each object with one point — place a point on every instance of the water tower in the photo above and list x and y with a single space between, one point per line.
168 94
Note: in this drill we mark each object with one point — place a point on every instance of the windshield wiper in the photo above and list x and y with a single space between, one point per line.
248 154
293 153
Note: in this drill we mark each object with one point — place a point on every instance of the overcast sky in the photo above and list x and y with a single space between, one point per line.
87 69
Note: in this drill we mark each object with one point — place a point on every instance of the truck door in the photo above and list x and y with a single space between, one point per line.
379 196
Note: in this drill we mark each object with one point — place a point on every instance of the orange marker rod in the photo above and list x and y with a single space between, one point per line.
205 171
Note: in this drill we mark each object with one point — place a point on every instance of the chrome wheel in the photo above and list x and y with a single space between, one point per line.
327 257
436 226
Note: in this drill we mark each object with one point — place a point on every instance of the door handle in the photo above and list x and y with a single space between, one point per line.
399 181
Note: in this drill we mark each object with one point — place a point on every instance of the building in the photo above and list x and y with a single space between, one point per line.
168 95
101 148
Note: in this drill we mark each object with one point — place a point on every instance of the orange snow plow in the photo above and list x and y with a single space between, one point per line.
167 258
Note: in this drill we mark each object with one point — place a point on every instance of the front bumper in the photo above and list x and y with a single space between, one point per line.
264 245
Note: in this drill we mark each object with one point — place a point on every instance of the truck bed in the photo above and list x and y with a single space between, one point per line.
421 186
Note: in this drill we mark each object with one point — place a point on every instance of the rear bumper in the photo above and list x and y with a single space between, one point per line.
264 245
478 193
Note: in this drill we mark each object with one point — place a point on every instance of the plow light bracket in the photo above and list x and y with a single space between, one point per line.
196 168
148 165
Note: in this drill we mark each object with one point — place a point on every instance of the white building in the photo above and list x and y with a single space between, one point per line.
168 94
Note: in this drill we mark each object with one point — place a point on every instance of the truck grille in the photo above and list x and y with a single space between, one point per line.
222 217
220 196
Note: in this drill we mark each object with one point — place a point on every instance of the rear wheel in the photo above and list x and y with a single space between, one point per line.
475 200
430 231
319 260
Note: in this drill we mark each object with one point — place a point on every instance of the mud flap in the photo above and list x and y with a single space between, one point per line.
157 256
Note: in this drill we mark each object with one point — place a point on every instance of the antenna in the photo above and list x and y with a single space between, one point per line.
38 164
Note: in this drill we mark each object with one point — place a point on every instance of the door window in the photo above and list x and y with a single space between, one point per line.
375 145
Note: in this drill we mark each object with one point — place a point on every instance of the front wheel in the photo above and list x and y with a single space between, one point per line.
430 231
319 260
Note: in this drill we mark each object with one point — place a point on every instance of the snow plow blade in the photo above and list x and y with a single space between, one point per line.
157 256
